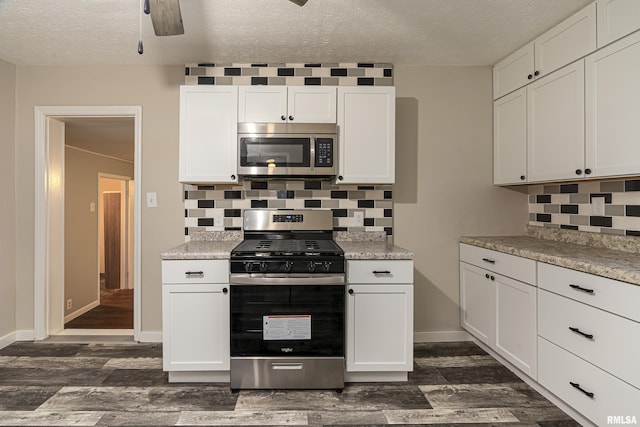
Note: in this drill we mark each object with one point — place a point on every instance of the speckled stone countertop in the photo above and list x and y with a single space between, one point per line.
580 251
369 245
356 245
206 245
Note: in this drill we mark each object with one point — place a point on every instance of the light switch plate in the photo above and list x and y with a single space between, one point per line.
152 200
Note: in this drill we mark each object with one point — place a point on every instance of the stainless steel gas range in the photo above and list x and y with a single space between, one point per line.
287 293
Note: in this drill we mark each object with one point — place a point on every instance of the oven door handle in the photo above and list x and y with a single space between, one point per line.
275 279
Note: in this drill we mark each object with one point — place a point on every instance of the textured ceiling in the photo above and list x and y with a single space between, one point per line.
418 32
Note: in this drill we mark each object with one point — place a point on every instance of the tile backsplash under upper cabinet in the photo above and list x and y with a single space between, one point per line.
204 202
570 206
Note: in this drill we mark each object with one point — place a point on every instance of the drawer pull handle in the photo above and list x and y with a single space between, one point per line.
194 273
490 261
576 385
580 288
381 272
578 331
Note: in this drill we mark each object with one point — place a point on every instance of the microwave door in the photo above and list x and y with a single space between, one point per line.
275 155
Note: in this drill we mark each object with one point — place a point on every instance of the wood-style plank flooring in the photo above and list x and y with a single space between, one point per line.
109 384
114 312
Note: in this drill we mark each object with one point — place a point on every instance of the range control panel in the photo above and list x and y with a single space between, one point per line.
288 218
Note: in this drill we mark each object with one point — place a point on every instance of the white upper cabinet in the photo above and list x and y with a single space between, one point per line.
572 39
555 125
510 138
613 108
616 19
367 134
281 104
208 134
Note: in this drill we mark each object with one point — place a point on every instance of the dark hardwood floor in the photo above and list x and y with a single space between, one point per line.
114 312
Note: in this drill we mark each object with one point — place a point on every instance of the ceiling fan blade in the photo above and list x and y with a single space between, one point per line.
166 17
299 2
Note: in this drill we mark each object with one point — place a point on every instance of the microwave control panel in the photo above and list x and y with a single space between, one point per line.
324 152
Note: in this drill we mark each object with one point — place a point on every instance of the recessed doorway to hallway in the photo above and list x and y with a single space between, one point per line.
99 194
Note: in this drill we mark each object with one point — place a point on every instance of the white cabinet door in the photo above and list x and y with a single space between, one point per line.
262 104
195 327
617 18
613 108
208 134
513 71
555 118
367 135
510 138
516 323
568 41
572 39
379 331
477 303
284 104
311 104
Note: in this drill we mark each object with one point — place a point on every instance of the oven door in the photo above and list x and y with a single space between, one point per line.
292 320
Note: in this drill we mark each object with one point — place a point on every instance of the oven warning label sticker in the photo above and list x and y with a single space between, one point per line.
294 327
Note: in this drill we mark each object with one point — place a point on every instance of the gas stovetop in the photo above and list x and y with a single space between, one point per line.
287 247
288 241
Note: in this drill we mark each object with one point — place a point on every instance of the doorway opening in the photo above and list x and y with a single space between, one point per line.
76 148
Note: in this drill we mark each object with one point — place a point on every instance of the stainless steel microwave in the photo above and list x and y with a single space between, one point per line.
287 149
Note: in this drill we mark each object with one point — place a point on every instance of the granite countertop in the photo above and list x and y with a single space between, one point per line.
619 262
356 245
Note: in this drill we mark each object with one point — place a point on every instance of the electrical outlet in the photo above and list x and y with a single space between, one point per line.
218 219
358 218
597 206
69 304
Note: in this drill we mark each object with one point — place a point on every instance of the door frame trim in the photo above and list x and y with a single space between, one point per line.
43 172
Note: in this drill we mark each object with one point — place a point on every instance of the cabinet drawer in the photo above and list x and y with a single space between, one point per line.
380 271
613 345
558 369
611 295
516 267
195 271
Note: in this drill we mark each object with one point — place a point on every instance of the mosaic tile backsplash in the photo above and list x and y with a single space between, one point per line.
204 203
290 74
570 206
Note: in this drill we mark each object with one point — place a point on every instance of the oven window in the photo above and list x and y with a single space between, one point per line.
313 315
274 152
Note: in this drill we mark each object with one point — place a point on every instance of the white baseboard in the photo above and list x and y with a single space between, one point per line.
79 312
149 336
7 340
441 336
26 335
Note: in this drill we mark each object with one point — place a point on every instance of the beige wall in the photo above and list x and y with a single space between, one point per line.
156 89
8 205
444 186
81 225
443 189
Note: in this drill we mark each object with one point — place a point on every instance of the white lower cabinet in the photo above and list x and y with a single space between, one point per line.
195 319
499 310
379 331
596 394
515 311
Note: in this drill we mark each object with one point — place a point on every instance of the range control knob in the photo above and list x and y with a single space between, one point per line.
248 266
311 266
326 266
287 266
263 266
